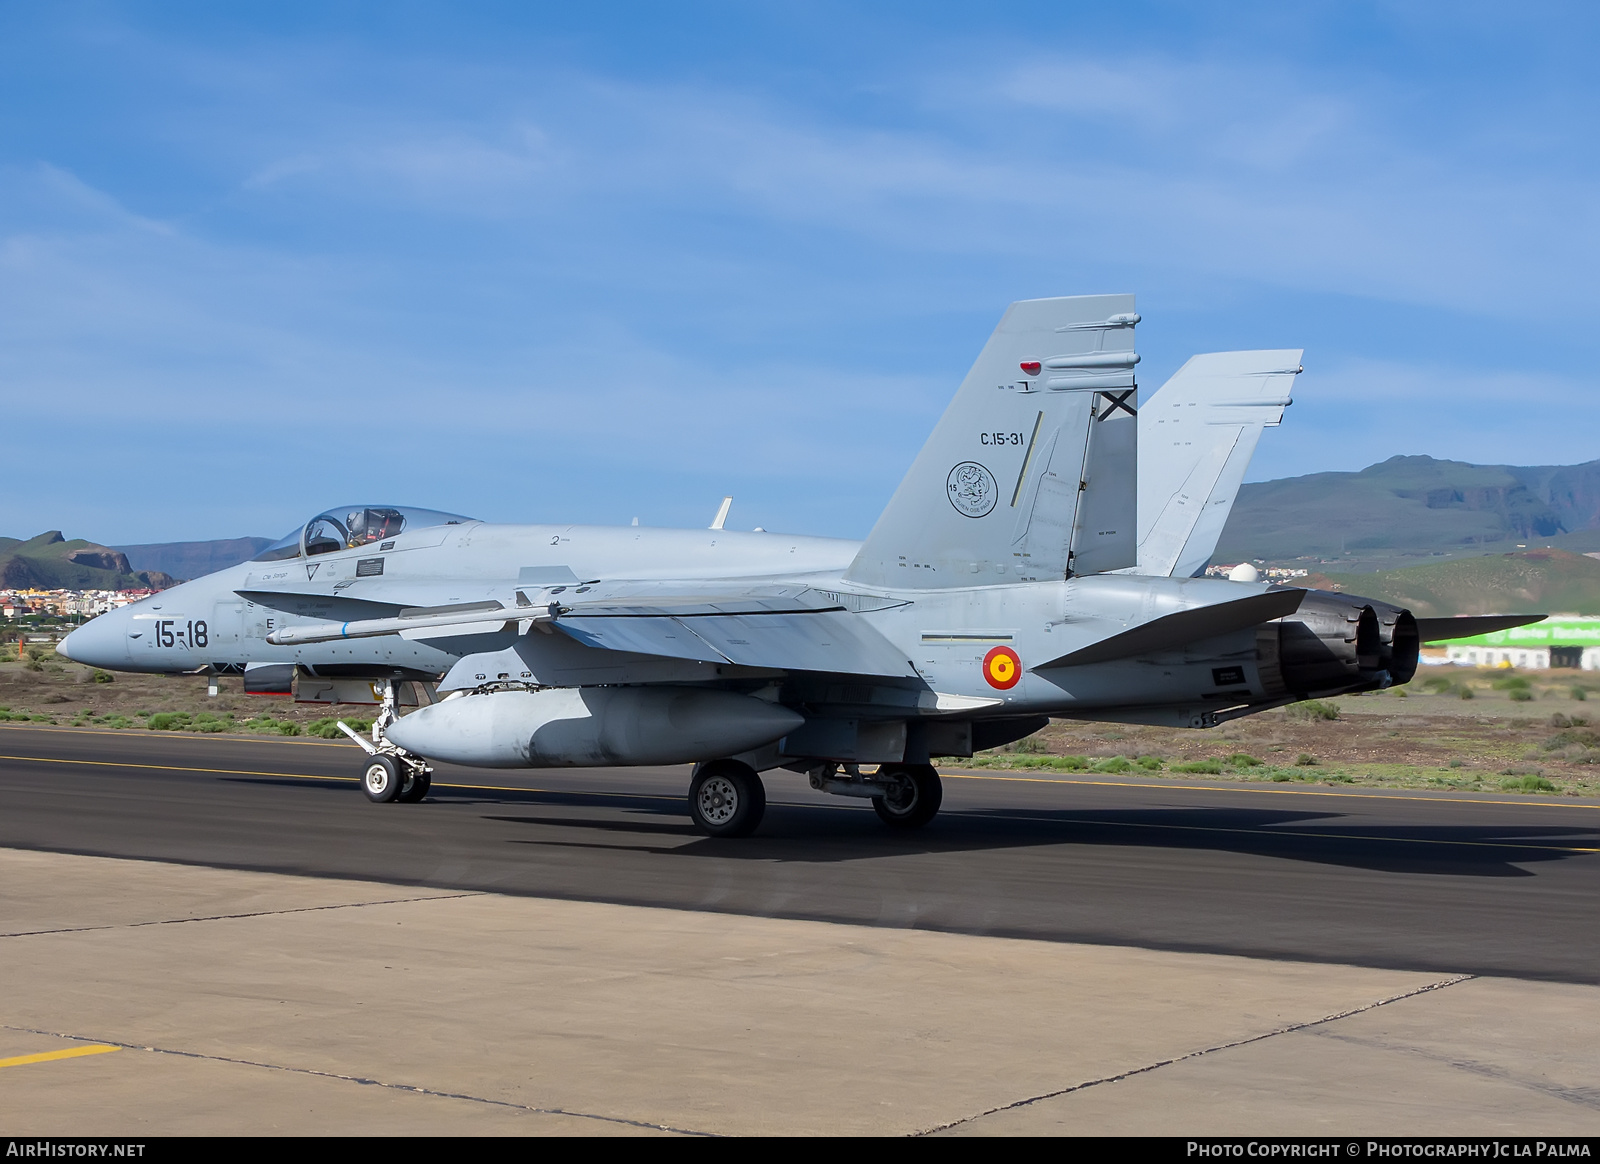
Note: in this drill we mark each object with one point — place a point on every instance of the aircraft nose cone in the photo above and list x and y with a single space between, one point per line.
100 642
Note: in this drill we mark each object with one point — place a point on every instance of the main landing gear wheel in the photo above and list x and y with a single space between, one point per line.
726 799
912 798
382 779
416 786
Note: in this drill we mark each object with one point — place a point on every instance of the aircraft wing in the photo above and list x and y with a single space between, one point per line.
773 632
785 628
1196 438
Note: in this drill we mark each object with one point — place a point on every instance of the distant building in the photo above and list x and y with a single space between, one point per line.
1276 573
1562 640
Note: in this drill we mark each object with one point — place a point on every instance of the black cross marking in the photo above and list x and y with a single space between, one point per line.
1116 400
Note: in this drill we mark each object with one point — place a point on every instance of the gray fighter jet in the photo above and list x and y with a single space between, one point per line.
1036 561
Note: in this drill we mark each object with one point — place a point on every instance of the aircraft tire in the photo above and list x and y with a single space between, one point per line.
381 779
917 799
726 798
415 787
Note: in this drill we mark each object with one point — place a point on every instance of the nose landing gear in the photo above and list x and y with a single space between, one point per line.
391 773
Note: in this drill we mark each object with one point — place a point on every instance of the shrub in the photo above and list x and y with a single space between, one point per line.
1305 760
1208 767
1455 764
1465 692
1511 683
1528 782
1573 735
1579 693
265 723
1028 745
1313 709
1114 764
1244 760
328 729
1149 763
1438 684
102 676
117 721
168 721
1520 695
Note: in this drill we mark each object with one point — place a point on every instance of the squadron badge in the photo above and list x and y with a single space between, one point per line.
972 489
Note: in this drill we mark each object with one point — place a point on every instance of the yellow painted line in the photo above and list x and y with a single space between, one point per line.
51 1056
343 779
1368 794
174 768
300 741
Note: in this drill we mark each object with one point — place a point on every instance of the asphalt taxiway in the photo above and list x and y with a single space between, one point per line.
1482 884
202 934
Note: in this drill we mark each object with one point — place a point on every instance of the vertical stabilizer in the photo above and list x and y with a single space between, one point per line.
1031 472
1197 435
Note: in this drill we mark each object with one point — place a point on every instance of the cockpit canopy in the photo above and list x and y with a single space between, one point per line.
349 527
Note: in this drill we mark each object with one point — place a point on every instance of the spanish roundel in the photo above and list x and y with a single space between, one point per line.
1002 668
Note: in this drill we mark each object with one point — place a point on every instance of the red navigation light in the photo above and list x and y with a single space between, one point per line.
1031 367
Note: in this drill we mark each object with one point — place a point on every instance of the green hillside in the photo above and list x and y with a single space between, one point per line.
1391 514
1536 581
51 562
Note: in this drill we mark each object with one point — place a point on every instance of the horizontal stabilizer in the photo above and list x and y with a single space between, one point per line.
1186 626
1440 630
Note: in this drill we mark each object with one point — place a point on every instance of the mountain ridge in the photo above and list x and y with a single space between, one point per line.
1411 507
49 561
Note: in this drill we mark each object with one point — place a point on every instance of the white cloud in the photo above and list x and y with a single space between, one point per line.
578 285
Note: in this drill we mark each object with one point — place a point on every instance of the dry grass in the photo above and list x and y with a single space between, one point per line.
1491 742
66 693
1423 739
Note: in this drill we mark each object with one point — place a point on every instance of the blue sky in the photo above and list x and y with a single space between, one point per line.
592 262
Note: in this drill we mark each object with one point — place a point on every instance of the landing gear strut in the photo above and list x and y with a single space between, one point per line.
905 796
391 772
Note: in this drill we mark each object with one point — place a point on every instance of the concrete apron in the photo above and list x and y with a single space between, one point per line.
257 1003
